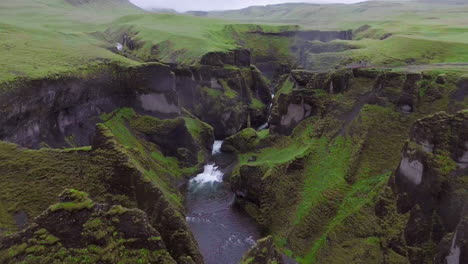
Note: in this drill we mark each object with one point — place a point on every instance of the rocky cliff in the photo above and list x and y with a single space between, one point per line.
428 192
335 138
63 111
127 165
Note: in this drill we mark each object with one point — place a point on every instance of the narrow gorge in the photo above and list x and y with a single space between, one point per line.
231 142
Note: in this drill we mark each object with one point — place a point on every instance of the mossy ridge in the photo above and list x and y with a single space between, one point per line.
99 235
31 178
99 170
165 171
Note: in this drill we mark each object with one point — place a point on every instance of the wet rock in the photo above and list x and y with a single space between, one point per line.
264 252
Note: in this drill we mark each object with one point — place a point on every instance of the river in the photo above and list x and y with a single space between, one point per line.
224 232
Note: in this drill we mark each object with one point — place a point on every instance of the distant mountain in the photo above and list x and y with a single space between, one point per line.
198 13
453 2
323 16
162 10
100 2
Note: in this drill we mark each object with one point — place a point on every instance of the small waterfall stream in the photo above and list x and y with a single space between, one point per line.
224 232
267 124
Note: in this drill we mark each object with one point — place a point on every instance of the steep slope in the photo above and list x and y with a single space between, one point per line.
127 165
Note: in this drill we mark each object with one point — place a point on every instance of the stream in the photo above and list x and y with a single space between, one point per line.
224 232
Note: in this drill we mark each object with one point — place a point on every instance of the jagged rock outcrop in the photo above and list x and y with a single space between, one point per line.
319 188
229 99
79 230
304 97
429 188
174 137
264 252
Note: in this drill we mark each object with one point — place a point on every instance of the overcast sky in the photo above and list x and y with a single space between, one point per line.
185 5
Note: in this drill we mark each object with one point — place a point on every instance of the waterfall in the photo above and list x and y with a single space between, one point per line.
267 124
455 251
217 147
211 174
223 232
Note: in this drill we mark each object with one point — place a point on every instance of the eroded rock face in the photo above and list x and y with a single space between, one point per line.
430 185
264 252
313 94
305 99
56 111
64 111
77 228
229 99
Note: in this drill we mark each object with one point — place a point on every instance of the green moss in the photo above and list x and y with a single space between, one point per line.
117 210
444 164
257 104
228 92
286 87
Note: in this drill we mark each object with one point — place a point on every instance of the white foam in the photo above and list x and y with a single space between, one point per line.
250 241
217 147
119 46
263 127
211 174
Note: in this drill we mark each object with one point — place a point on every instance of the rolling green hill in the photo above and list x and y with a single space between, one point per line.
41 38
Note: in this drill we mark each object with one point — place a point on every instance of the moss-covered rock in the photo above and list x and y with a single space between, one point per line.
86 234
264 252
430 186
241 142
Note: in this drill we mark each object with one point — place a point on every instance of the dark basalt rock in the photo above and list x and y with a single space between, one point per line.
264 252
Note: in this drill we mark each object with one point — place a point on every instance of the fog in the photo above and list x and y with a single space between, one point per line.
206 5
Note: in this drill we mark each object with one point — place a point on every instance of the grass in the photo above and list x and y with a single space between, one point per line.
361 194
75 37
329 164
